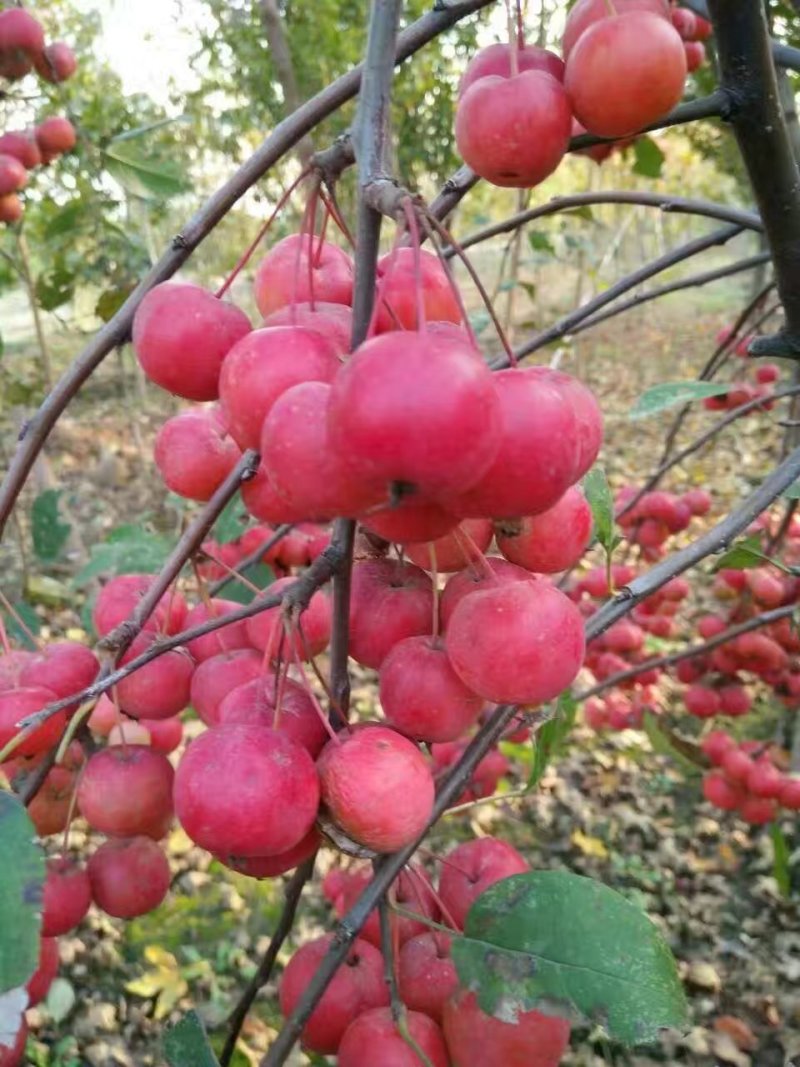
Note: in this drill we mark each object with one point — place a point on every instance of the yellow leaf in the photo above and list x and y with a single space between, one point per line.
159 957
147 986
169 997
589 846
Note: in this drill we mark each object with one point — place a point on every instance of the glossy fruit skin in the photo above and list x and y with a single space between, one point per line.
55 136
551 541
334 321
283 276
388 602
218 676
397 291
422 696
10 208
452 551
181 334
300 462
521 643
722 793
158 689
230 638
426 975
495 59
272 866
758 811
514 131
265 630
625 72
356 986
12 664
413 519
246 790
22 145
262 366
120 597
126 791
765 780
471 868
49 809
373 1038
536 420
496 571
17 703
361 777
412 891
193 453
64 667
586 13
129 876
254 703
42 978
432 381
67 896
57 62
475 1039
790 794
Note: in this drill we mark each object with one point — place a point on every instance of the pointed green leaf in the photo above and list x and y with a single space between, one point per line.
598 494
232 522
186 1044
127 550
688 755
21 886
260 575
50 534
549 739
649 159
141 175
556 941
668 394
781 870
746 554
540 242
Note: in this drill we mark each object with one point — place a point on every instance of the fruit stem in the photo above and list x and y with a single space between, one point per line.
413 231
429 889
74 724
477 557
232 572
73 802
248 252
3 635
330 202
325 216
435 583
425 219
308 688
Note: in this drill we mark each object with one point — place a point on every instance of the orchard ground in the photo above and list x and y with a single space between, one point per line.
609 807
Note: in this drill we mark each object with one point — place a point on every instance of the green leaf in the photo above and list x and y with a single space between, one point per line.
558 941
186 1044
540 242
598 495
479 320
260 575
142 175
54 287
668 394
232 522
21 886
548 741
28 616
66 218
666 743
139 131
109 302
60 999
781 870
127 550
649 158
50 534
745 554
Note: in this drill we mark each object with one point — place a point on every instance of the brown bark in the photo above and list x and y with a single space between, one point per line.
284 67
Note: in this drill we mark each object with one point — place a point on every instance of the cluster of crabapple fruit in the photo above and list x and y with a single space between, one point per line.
353 1019
656 516
22 50
742 390
624 67
299 547
747 779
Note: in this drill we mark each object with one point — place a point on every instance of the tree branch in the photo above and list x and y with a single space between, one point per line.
281 56
715 540
748 73
281 141
292 892
253 558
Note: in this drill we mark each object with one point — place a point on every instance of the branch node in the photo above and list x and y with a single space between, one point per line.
179 242
781 345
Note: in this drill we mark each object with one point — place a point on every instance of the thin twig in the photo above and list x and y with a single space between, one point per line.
253 558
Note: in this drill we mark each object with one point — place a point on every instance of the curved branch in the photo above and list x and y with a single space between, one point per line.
624 285
695 281
715 540
285 136
700 649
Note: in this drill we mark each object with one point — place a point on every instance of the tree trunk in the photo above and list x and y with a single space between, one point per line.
284 67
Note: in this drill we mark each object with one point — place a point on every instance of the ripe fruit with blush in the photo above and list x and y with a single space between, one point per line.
334 321
475 1039
55 136
514 131
471 868
521 643
388 601
400 280
487 574
496 59
126 790
246 790
181 334
129 876
194 453
285 275
363 774
625 72
16 704
283 705
551 541
218 676
426 974
262 366
158 689
356 986
374 1037
266 630
455 550
56 63
228 638
119 598
12 174
430 382
67 896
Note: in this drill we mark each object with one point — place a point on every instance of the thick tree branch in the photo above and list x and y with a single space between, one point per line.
281 141
748 73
